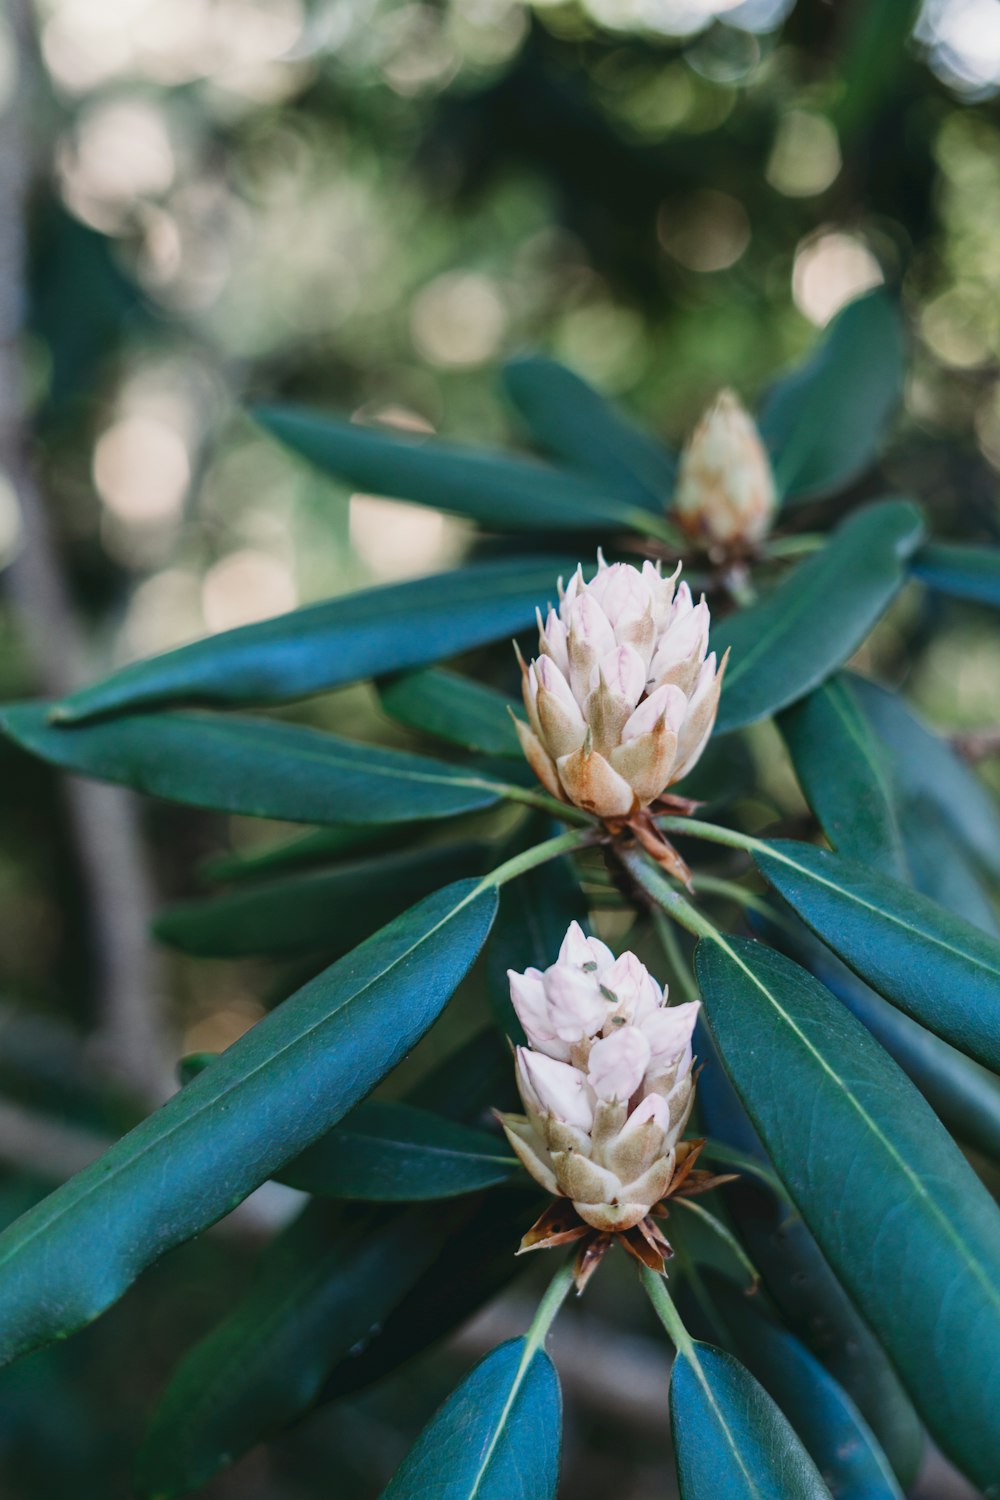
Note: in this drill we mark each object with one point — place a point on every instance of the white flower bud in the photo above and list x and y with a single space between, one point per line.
604 1116
622 697
725 487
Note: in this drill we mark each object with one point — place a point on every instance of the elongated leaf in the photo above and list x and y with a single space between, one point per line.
968 572
963 1094
937 967
940 865
322 846
387 1152
311 650
802 1285
731 1440
274 1092
259 767
880 1184
825 422
794 639
497 1436
843 771
925 769
832 1430
455 709
574 422
319 1288
326 911
499 491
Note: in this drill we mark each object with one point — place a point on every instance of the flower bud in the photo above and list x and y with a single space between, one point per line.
623 695
725 488
606 1082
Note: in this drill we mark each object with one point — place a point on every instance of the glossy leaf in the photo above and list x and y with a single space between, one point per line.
926 770
937 967
322 646
885 1191
259 767
325 911
792 640
826 421
968 572
499 491
842 769
496 1437
575 423
319 1288
454 708
832 1430
730 1439
274 1092
801 1283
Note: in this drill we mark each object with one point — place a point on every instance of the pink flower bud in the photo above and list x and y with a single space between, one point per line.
725 487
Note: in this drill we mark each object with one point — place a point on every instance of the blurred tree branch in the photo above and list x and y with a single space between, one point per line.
112 860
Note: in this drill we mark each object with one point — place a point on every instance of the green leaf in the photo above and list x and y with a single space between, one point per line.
498 491
322 846
325 911
274 1092
826 421
730 1439
323 646
575 423
259 767
319 1288
791 641
937 967
389 1152
843 772
968 572
890 1199
453 708
926 770
832 1430
802 1285
497 1436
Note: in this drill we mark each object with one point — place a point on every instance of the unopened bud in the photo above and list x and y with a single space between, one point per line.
725 488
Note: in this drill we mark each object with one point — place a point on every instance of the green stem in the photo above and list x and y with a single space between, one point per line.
793 546
726 1235
564 811
656 1291
714 886
648 877
529 859
675 958
711 832
555 1296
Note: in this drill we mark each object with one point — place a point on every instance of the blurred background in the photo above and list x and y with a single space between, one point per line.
366 206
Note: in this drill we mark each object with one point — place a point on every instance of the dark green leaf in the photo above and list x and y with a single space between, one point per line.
969 572
453 708
499 491
877 1179
570 419
926 769
496 1437
937 967
791 641
940 865
825 422
388 1152
322 846
731 1441
832 1430
802 1285
320 647
326 911
842 769
259 767
274 1092
319 1288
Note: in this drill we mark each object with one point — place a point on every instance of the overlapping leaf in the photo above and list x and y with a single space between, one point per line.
274 1092
322 646
968 572
791 641
455 709
879 1182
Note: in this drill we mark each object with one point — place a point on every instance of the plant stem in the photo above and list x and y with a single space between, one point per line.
726 1235
714 886
793 546
529 859
646 875
711 833
553 1299
656 1291
564 811
672 948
